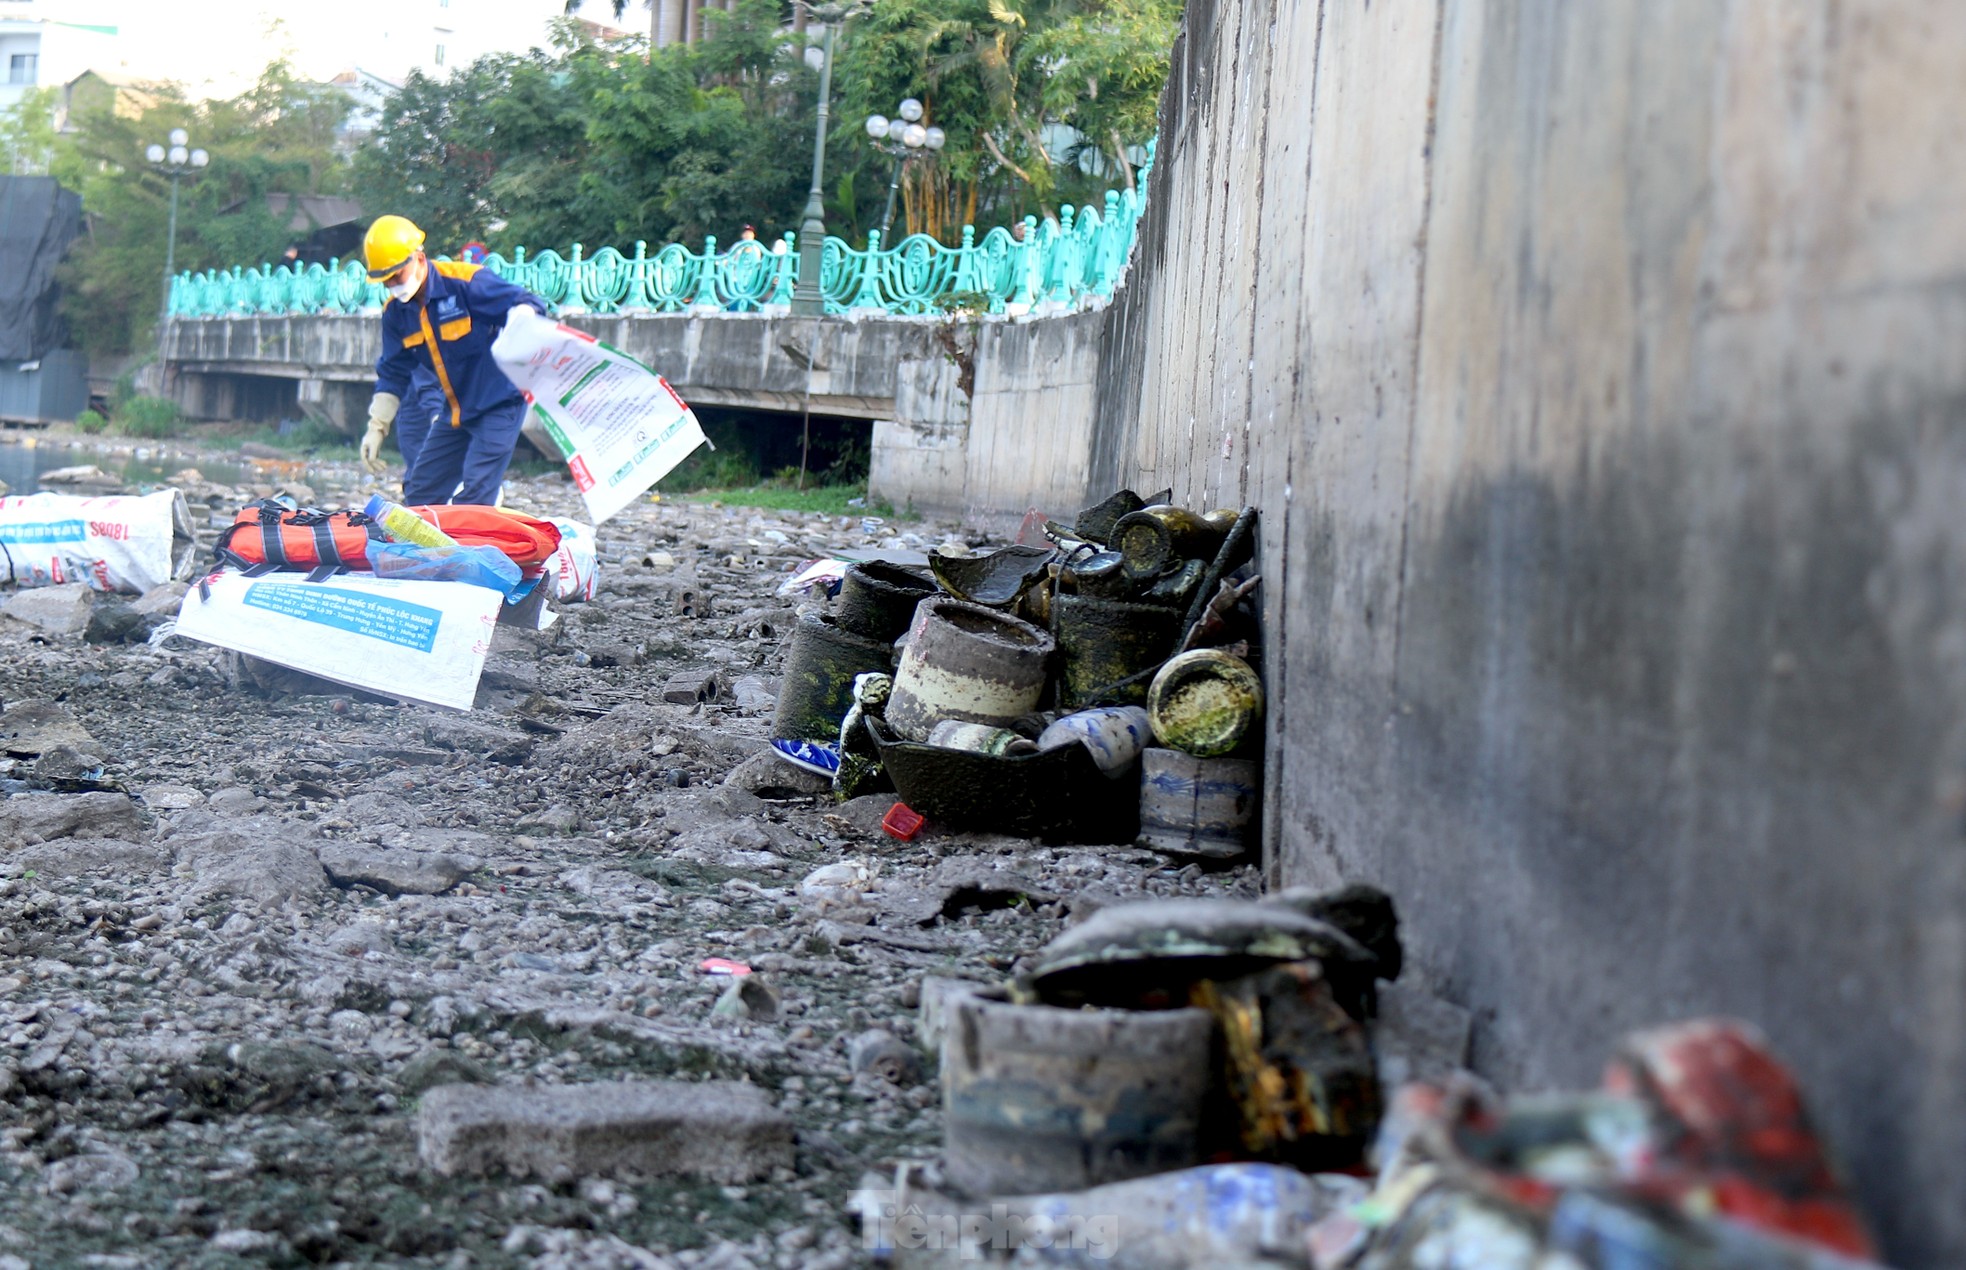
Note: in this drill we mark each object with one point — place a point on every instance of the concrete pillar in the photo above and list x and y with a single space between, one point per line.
342 405
666 22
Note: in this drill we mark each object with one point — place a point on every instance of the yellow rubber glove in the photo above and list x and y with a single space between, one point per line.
382 413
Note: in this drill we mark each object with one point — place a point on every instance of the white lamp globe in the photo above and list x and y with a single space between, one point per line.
179 137
199 158
896 128
937 138
915 137
877 127
178 155
155 154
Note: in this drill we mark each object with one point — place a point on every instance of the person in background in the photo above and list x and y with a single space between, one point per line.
442 316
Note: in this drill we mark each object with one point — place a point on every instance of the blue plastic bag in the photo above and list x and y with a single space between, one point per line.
479 566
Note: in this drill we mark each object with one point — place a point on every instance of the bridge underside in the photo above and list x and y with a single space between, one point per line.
980 419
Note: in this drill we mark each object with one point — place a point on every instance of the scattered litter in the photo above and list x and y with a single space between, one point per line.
721 966
813 756
903 822
819 575
882 1055
747 997
1696 1151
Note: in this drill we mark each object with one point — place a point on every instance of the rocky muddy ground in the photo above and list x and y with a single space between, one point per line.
222 998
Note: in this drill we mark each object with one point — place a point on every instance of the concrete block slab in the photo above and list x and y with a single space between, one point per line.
721 1130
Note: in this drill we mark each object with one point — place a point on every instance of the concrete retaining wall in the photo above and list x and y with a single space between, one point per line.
1601 371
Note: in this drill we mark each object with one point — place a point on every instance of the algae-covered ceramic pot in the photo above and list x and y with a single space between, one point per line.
964 661
1102 644
819 671
1204 702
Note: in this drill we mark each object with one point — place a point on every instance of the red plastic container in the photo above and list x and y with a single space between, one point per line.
903 822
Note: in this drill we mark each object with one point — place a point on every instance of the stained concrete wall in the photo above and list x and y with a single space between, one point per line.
1601 372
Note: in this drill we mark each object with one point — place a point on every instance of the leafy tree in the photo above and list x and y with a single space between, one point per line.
1022 87
277 137
27 133
600 144
430 156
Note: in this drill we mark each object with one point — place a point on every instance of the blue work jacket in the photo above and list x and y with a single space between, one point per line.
425 400
449 331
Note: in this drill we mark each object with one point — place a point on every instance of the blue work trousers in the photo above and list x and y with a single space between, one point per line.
410 432
473 455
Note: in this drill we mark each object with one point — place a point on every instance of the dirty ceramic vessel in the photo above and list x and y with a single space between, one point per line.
1114 734
1103 644
878 599
997 579
1198 807
1205 702
1058 797
1100 574
1154 538
967 662
819 671
1038 1098
979 738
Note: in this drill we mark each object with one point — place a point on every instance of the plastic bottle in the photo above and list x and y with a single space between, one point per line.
404 525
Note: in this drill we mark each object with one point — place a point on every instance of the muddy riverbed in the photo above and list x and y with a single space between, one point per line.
211 1053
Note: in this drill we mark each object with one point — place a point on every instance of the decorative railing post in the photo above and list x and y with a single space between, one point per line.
1067 251
787 271
868 294
1028 263
576 301
706 275
966 277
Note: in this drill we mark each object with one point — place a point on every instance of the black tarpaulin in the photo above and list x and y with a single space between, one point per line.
38 220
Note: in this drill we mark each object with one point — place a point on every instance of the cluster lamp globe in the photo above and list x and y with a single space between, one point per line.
904 136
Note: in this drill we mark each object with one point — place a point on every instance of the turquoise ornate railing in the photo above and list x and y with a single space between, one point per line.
1060 263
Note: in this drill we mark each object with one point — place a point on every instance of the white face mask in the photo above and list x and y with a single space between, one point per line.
405 286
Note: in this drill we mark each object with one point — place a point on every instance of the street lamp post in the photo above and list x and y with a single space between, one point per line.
904 137
177 161
807 299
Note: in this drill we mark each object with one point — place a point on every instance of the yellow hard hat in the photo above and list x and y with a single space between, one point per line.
389 244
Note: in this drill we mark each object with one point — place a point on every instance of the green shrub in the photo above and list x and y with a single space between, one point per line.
964 303
149 417
90 422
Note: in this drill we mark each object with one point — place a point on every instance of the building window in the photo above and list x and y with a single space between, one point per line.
439 59
20 68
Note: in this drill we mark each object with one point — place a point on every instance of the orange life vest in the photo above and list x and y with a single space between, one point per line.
267 535
527 540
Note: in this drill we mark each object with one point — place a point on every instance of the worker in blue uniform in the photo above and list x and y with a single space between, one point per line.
443 316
